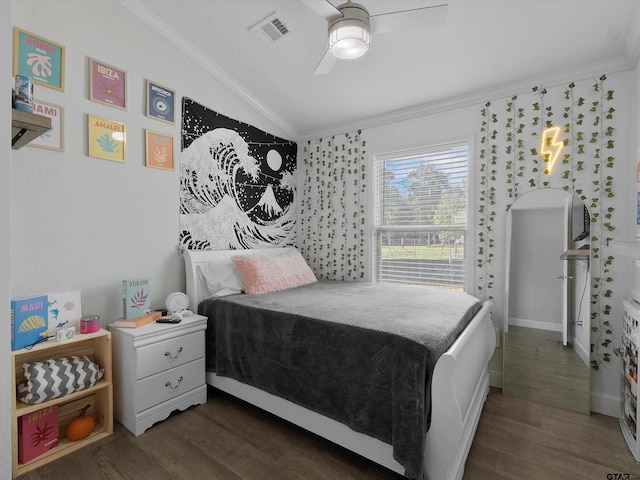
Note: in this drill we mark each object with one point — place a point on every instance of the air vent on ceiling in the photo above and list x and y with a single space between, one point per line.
270 30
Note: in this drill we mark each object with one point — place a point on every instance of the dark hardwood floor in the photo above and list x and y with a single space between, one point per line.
538 367
229 439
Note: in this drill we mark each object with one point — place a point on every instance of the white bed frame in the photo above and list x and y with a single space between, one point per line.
459 388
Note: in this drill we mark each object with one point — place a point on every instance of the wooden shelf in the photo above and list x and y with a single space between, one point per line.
26 127
96 346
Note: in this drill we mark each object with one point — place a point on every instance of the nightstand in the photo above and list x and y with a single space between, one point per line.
157 368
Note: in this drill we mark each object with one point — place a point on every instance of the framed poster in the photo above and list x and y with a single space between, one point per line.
52 139
106 138
160 102
159 150
38 58
107 84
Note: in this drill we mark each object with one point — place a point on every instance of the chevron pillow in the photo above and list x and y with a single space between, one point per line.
57 377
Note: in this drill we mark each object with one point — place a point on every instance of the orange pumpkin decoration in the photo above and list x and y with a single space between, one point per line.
81 426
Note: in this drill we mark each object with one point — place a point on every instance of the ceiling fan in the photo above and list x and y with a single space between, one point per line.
351 26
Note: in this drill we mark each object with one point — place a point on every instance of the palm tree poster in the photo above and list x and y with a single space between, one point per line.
237 183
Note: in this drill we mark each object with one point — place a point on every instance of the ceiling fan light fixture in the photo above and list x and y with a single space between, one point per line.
349 34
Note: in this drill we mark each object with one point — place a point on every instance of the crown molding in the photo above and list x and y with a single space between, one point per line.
590 70
627 61
161 27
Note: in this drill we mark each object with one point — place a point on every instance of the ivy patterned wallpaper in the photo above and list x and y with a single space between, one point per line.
332 213
509 165
333 204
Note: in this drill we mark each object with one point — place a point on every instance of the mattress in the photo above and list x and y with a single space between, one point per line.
358 352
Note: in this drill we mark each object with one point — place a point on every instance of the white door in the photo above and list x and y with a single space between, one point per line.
507 282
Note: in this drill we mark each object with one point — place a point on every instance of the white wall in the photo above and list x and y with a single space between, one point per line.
80 223
5 273
464 123
535 293
456 124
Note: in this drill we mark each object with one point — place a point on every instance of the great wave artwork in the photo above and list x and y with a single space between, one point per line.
237 183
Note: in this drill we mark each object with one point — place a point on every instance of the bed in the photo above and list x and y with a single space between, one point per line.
452 391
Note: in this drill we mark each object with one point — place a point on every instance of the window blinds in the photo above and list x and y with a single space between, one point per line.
421 216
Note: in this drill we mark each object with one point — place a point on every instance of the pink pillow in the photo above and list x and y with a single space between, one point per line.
262 274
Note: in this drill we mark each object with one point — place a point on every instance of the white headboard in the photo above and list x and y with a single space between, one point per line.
193 258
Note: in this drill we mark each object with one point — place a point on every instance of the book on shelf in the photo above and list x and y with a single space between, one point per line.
37 433
138 321
136 297
29 319
65 310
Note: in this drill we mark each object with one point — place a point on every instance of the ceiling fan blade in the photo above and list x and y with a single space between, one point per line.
326 64
409 19
323 8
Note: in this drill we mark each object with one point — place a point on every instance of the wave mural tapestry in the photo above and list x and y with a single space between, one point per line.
237 183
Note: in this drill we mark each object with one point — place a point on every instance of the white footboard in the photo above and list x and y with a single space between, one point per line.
336 432
460 386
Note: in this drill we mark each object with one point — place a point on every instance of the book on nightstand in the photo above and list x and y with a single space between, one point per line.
138 321
136 297
29 319
37 433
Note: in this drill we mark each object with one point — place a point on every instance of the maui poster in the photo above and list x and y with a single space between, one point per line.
237 184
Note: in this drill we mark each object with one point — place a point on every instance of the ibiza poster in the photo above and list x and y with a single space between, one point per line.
107 84
237 183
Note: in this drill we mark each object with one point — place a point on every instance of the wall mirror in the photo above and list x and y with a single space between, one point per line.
547 302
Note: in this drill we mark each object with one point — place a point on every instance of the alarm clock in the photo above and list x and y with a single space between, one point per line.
177 304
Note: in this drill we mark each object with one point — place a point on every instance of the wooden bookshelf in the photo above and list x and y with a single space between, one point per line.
96 346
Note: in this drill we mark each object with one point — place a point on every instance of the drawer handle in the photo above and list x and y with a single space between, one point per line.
168 384
168 354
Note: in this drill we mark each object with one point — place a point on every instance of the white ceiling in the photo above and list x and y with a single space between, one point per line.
485 46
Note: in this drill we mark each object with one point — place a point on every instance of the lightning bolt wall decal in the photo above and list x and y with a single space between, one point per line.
550 147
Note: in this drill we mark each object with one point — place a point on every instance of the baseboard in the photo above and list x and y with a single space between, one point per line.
522 322
605 404
495 378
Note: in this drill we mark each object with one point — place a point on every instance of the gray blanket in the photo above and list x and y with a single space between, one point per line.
360 353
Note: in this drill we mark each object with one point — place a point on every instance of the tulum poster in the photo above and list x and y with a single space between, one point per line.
237 183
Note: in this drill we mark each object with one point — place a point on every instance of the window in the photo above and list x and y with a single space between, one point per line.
421 216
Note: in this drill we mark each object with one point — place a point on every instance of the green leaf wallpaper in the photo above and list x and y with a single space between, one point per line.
510 164
331 220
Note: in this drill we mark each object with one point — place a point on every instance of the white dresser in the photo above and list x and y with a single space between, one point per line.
157 368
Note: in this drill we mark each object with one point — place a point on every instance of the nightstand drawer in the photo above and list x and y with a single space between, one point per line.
164 386
170 353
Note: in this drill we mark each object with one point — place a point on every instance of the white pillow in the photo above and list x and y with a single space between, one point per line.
219 278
